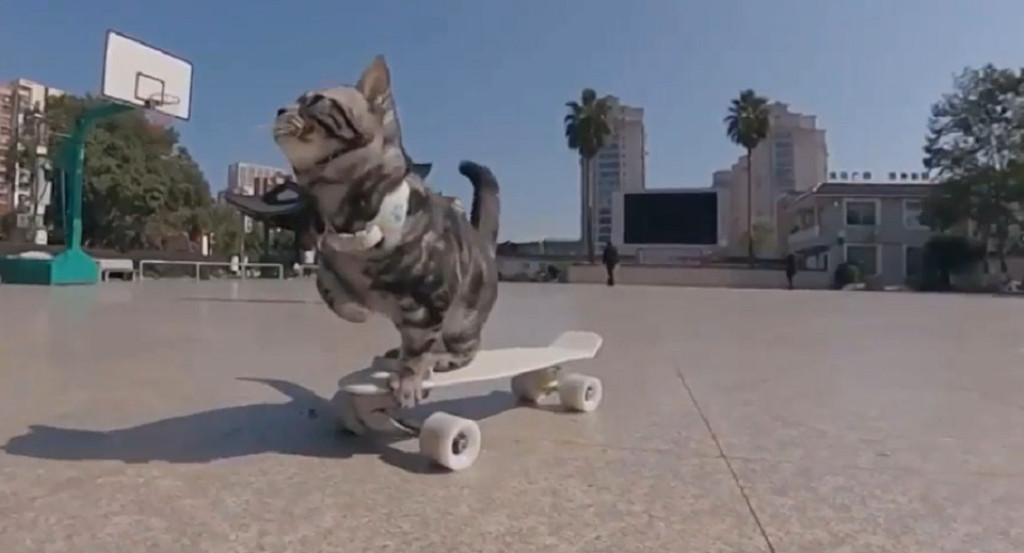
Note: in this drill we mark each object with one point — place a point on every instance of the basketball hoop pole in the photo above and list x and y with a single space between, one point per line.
73 265
74 161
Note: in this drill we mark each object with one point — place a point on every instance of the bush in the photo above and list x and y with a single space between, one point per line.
947 255
845 273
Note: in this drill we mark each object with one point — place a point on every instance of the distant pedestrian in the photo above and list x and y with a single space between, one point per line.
610 258
790 269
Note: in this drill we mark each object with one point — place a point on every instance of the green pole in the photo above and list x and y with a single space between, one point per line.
74 161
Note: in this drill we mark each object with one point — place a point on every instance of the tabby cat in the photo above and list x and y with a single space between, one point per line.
436 278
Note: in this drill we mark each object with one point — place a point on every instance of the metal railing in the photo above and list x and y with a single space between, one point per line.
240 268
804 234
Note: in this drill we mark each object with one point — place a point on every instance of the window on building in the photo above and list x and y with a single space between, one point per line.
912 214
817 262
862 213
605 211
913 261
865 256
604 220
806 218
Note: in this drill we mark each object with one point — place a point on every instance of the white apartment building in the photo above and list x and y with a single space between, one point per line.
253 179
794 157
249 178
618 167
24 190
6 138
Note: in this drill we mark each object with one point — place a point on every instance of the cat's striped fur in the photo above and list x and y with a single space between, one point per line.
439 283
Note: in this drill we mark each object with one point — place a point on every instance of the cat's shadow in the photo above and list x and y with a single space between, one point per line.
303 426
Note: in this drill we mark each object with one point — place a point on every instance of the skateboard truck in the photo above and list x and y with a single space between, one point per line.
379 413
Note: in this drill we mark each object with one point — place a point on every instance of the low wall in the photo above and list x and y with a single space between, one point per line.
707 277
526 269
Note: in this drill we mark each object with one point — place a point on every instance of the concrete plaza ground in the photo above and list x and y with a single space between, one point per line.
178 416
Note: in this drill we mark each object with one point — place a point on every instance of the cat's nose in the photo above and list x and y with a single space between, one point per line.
281 111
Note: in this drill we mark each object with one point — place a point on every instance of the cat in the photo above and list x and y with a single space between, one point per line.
436 278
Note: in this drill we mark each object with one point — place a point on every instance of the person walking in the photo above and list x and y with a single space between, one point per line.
790 269
610 257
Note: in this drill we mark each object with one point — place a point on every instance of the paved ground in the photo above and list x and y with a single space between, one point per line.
172 416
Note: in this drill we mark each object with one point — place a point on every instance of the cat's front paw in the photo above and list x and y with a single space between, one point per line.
352 312
407 387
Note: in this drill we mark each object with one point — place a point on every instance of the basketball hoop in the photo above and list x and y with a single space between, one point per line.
153 109
138 74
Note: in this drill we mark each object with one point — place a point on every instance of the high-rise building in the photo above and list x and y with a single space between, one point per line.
24 189
794 157
618 166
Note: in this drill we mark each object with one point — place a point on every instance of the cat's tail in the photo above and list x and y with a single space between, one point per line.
486 205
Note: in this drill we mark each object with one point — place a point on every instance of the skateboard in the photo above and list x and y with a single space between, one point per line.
365 403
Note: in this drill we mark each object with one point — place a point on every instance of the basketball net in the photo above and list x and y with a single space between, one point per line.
156 117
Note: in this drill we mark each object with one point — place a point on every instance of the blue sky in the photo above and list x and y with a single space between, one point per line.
487 80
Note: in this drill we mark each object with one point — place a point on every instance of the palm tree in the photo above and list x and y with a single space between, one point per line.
586 128
746 125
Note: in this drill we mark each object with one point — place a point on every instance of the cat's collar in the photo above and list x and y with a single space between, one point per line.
320 163
383 232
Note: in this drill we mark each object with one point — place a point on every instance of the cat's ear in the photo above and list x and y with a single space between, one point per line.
375 85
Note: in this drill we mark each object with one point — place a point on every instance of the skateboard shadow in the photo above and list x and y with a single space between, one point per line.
248 300
303 426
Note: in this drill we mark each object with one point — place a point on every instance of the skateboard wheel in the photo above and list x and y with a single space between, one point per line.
532 386
580 393
346 419
450 441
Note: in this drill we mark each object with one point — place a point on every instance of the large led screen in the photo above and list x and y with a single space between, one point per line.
671 218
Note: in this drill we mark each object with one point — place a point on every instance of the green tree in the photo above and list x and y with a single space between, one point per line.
587 126
141 186
225 228
760 237
747 124
947 255
975 146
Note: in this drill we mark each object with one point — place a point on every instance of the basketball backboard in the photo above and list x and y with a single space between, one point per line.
145 76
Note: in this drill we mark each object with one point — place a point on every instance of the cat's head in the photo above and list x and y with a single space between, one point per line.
346 132
345 146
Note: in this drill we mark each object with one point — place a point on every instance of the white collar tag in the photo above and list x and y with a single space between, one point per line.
391 216
385 230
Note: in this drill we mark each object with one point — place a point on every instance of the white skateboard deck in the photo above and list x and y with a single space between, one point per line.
499 363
